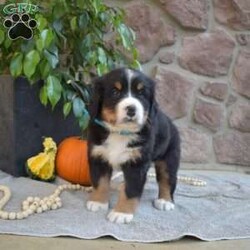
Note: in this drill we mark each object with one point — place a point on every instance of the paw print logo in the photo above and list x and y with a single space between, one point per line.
20 26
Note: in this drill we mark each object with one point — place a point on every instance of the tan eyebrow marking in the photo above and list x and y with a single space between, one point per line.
118 85
140 86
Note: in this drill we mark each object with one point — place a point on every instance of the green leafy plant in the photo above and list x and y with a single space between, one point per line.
74 40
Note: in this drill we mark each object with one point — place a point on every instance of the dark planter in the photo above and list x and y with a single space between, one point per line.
23 123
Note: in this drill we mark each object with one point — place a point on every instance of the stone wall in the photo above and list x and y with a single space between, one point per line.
198 51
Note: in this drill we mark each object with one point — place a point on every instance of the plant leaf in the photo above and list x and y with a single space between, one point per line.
73 23
59 9
102 55
96 4
83 20
58 27
7 42
67 108
1 36
126 35
45 68
80 3
39 44
47 37
43 95
28 46
84 120
52 58
41 23
101 69
91 57
16 64
54 89
135 64
78 107
135 53
31 60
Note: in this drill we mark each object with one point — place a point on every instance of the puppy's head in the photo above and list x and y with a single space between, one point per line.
123 97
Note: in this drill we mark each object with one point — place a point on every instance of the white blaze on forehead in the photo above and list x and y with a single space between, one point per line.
130 75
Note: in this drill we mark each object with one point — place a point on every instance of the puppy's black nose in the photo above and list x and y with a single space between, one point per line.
130 110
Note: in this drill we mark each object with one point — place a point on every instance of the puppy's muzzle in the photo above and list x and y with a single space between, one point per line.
130 109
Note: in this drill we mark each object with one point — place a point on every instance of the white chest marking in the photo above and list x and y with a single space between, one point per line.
115 150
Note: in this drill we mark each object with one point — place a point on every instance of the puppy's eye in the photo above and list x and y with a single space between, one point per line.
140 88
116 92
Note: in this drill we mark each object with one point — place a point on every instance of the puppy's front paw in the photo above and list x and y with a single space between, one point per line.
95 206
120 218
162 204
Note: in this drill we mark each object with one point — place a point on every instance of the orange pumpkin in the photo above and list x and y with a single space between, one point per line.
72 161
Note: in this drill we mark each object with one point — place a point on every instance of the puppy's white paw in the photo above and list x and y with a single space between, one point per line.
120 218
162 204
95 206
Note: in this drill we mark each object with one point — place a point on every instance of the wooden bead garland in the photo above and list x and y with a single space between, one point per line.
34 205
192 181
188 180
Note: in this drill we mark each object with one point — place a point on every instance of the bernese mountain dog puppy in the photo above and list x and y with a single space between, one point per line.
128 131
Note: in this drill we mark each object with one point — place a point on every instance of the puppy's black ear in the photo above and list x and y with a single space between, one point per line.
96 97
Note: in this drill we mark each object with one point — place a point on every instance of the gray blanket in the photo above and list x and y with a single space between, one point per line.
220 210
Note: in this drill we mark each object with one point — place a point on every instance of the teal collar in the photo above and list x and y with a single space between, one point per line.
120 132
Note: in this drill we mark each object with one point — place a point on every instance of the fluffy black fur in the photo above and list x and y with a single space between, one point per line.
158 138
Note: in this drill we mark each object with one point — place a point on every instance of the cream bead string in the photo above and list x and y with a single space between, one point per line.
188 180
192 181
34 205
38 205
185 179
